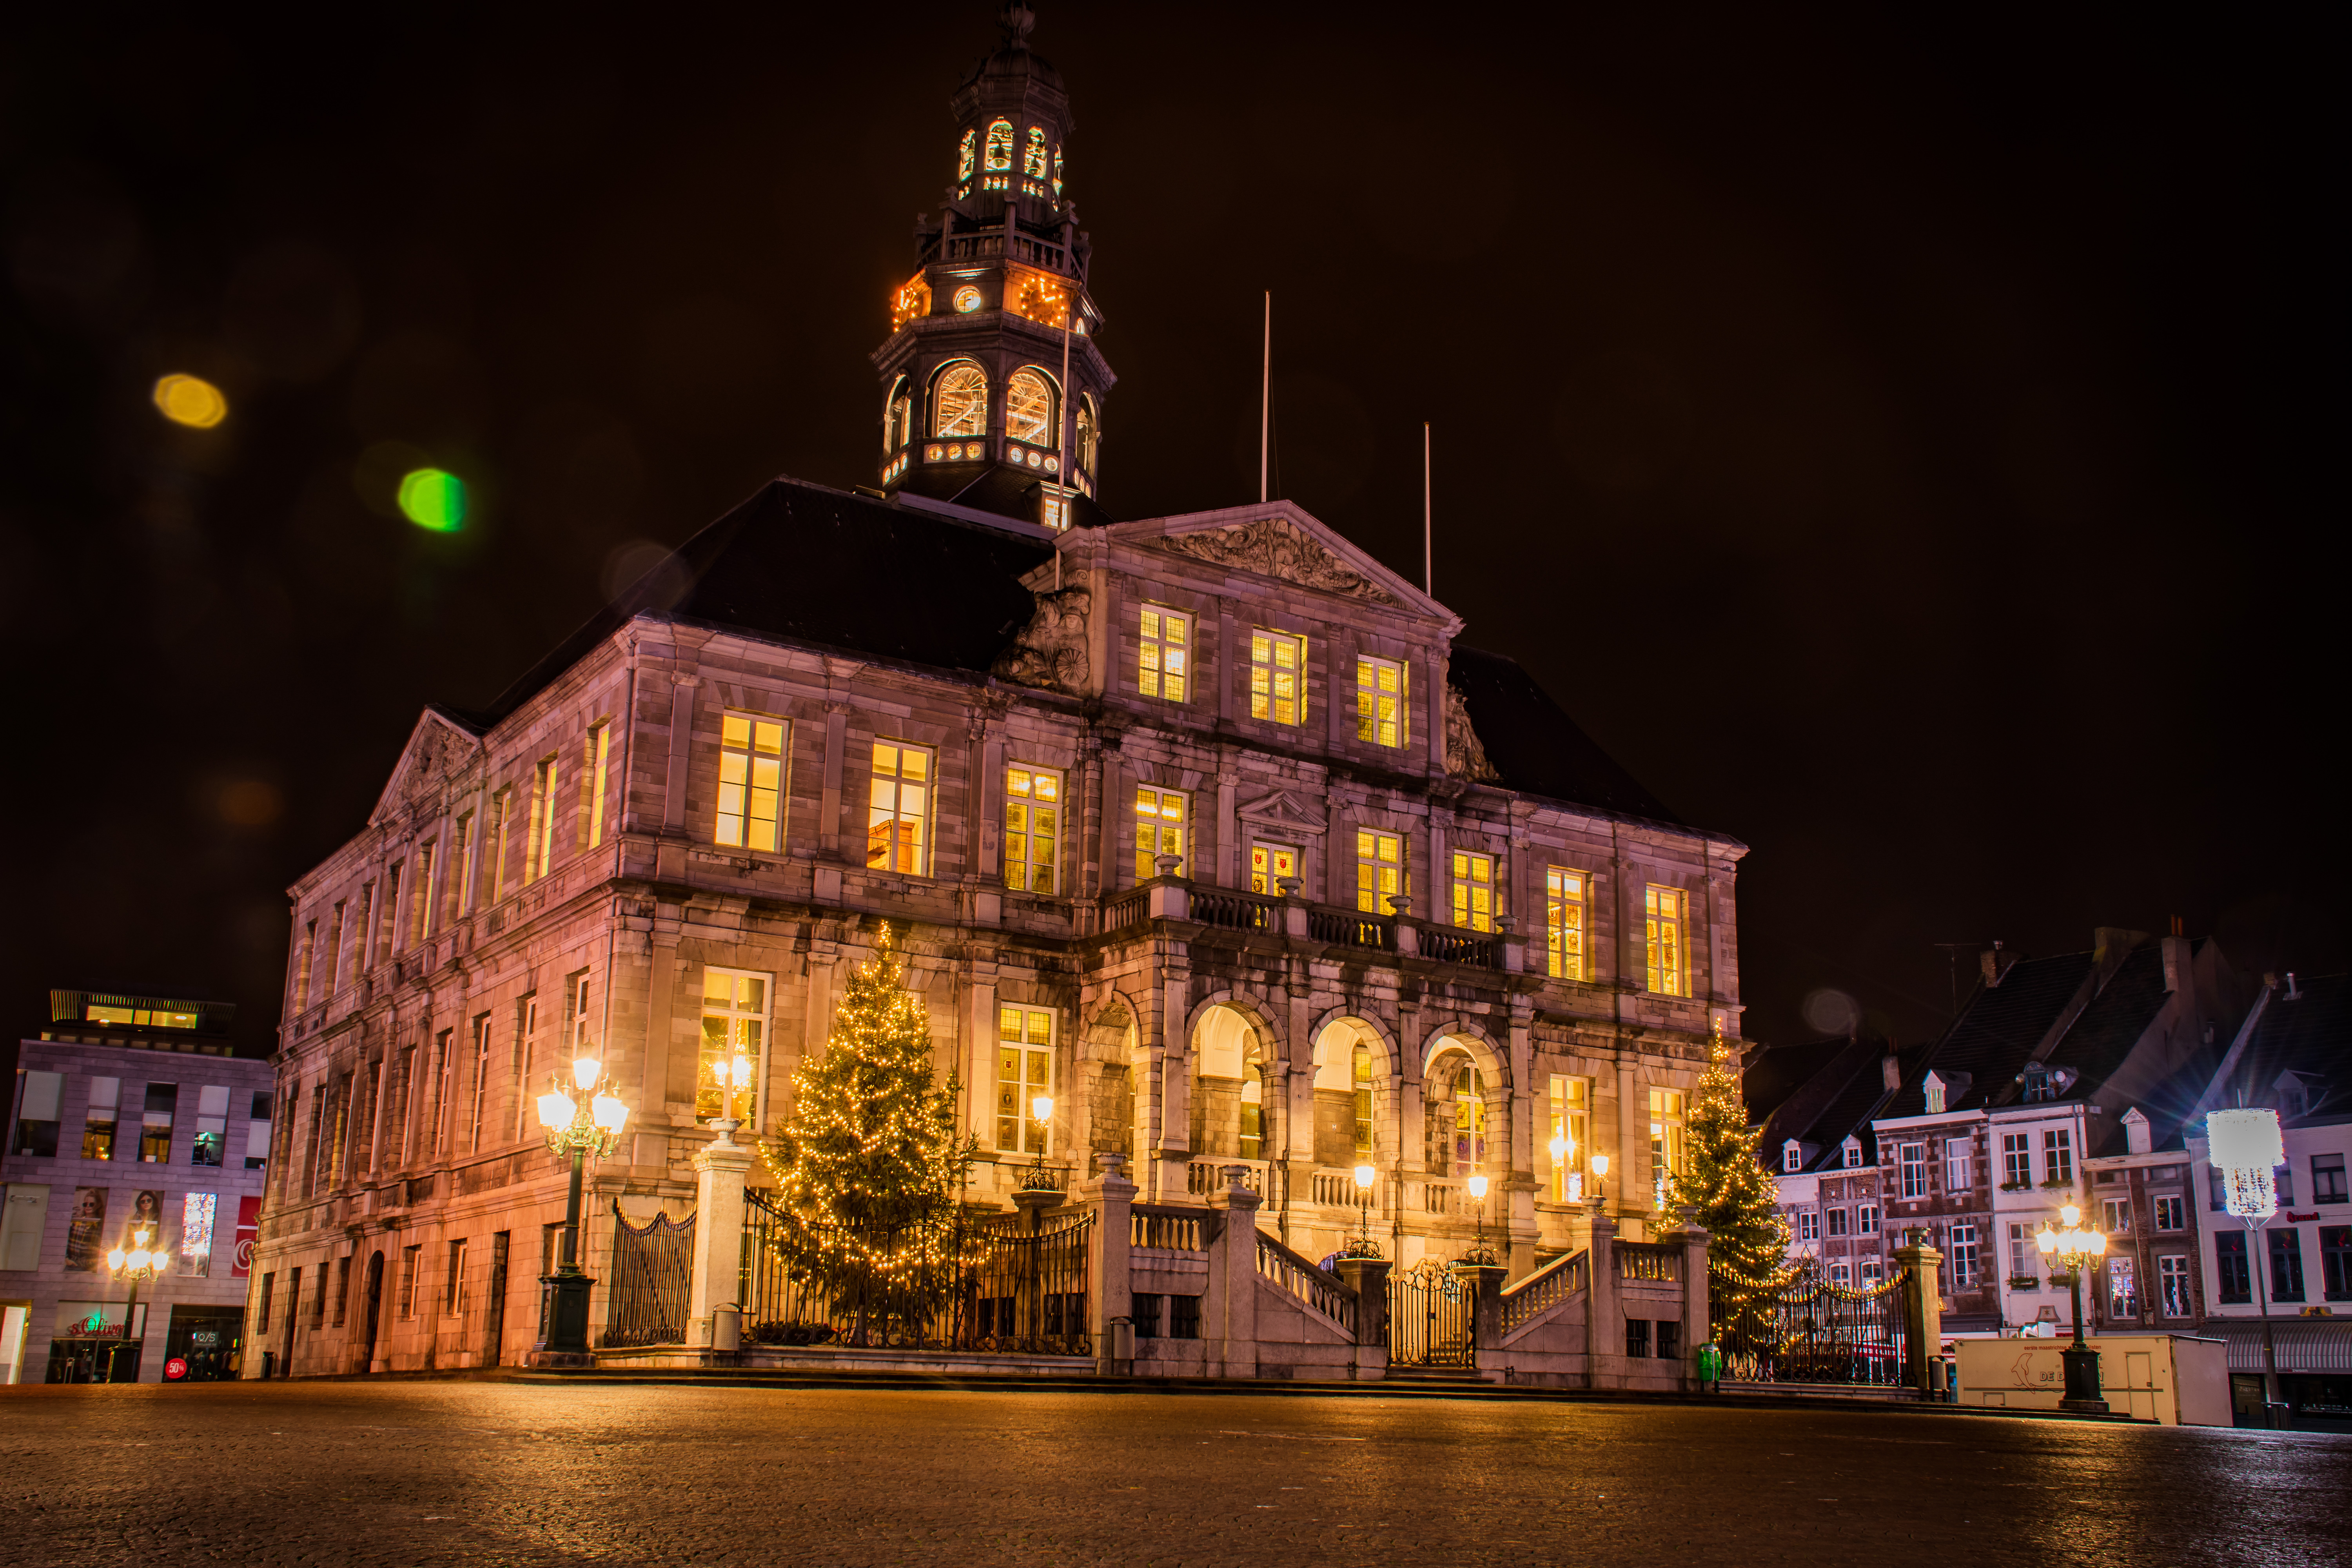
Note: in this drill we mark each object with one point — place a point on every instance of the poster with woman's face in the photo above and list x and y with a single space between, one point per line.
147 1214
86 1236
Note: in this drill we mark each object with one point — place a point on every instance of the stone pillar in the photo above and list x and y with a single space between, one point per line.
1486 1312
1110 1196
1369 1279
1923 1307
1230 1324
1604 1320
1696 1328
719 1169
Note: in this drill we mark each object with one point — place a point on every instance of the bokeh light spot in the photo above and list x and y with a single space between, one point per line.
433 499
191 400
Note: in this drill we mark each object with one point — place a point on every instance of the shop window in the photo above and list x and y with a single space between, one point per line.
1277 677
1473 883
750 782
734 1024
898 814
1160 818
1024 1069
1033 828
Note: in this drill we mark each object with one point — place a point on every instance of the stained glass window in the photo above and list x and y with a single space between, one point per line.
1028 409
1164 662
1033 817
1380 870
1270 864
999 155
964 152
959 402
1032 161
1159 829
1277 672
751 781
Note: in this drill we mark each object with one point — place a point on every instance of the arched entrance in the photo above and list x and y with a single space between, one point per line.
374 1307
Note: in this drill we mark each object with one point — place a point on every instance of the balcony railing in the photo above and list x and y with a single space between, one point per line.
1236 912
1351 929
1643 1261
1171 1229
1455 947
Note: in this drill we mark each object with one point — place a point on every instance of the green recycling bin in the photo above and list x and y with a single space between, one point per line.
1711 1364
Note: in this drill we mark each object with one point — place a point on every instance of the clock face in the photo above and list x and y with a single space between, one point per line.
967 298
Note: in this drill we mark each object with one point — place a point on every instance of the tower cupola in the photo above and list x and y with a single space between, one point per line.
993 382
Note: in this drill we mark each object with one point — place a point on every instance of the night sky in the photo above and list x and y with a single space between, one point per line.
1907 441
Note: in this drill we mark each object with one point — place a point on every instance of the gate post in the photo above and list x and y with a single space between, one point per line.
1233 1276
1369 1279
1697 1328
1923 1308
1604 1320
1112 1197
719 1169
1486 1310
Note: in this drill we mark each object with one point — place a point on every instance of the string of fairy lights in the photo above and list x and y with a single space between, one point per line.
1724 1177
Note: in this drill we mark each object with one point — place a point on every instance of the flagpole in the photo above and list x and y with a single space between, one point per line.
1426 555
1266 399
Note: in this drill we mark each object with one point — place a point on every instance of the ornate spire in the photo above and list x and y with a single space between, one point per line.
1015 21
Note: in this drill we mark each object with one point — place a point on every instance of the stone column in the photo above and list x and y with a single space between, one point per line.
1695 1326
717 1281
1231 1319
1369 1279
1486 1312
1923 1307
1110 1196
1604 1320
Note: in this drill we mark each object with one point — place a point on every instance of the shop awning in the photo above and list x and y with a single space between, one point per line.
2302 1347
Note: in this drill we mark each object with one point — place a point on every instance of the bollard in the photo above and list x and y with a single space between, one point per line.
726 1330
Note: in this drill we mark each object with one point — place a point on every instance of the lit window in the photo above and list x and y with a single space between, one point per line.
900 809
98 1123
2172 1286
1914 1166
2171 1214
599 748
1253 1112
1469 1122
1270 865
1088 428
1028 409
998 157
1032 159
1033 828
1361 1076
1380 701
966 150
1473 890
525 1058
1024 1069
912 300
162 1104
1665 1142
1571 1100
212 1125
751 781
1159 829
540 860
1164 666
1380 870
960 400
1277 666
1564 922
1664 907
501 814
734 1024
2058 1155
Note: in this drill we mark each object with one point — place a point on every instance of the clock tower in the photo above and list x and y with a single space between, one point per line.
992 386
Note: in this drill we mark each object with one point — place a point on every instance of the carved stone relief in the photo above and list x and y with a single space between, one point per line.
1051 651
1465 754
1272 547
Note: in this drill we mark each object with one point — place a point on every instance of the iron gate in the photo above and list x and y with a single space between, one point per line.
1432 1313
653 1266
1813 1331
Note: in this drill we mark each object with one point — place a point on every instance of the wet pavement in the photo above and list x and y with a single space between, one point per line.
434 1472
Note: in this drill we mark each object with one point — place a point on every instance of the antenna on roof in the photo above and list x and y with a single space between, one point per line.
1427 573
1266 399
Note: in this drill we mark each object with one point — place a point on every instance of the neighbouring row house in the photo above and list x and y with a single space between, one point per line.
1205 827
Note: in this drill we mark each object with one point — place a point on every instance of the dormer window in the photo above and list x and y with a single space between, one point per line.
1853 1153
1934 1089
1792 1155
2041 1085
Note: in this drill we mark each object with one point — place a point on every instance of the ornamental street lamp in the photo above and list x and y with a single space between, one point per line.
136 1266
2073 1249
1041 1112
583 1120
734 1078
2246 1147
1480 1253
1363 1246
1599 1176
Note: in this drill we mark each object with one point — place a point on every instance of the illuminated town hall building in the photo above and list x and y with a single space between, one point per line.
1204 826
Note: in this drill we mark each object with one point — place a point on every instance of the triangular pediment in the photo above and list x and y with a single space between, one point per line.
1281 809
1282 540
439 748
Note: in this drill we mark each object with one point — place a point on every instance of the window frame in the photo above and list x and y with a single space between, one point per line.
1029 1136
955 369
595 756
1572 1117
732 1041
1963 1248
1157 827
1960 1168
1162 661
2171 1207
1265 672
1470 877
2017 1159
1669 1117
1665 911
2175 1288
1268 878
1564 921
1024 804
2058 1155
1375 869
739 769
1911 1169
539 857
1383 714
1049 437
897 781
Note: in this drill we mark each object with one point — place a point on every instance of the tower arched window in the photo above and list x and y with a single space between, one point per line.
897 417
1029 409
1087 434
1057 173
960 401
997 158
1032 161
967 150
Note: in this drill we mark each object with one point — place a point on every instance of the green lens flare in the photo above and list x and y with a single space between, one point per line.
433 499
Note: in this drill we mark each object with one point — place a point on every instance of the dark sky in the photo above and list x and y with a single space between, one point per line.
1904 436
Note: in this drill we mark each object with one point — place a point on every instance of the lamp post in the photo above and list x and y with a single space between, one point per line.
583 1120
1363 1246
1480 1252
2074 1248
2246 1147
1600 1176
136 1266
1041 1112
734 1076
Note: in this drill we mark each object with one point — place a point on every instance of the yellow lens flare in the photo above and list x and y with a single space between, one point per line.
190 400
433 499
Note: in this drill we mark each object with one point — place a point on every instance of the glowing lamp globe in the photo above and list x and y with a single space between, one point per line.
2070 1217
1042 1107
1364 1176
158 1261
554 1110
2246 1147
585 1073
1479 1188
116 1258
611 1114
2098 1244
1559 1148
2046 1239
741 1069
1601 1165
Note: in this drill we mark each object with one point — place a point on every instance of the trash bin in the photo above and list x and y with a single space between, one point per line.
1710 1365
727 1329
2278 1416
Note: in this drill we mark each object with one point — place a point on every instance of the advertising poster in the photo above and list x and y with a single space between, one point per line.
147 1214
248 1231
86 1236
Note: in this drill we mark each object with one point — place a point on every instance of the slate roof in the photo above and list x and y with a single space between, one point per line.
1538 749
2310 1035
1778 1072
1834 1100
1995 1033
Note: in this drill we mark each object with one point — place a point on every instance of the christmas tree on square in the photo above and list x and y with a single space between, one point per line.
1737 1201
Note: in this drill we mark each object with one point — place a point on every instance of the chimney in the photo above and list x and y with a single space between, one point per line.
2291 994
1990 962
2178 978
1890 1070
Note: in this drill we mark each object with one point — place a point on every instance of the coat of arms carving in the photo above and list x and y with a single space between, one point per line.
1273 547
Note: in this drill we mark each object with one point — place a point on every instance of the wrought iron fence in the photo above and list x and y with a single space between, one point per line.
974 1285
653 1267
1813 1331
1431 1316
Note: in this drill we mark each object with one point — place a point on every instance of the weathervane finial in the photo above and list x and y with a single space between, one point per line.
1016 19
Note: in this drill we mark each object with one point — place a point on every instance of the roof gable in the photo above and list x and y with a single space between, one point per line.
1284 542
439 746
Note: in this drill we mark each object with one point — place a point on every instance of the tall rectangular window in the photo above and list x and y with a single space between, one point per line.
1965 1263
1835 1222
38 1115
1033 828
1571 1128
899 812
1164 667
580 1035
526 1063
302 964
1380 701
2172 1287
1865 1219
1359 1079
481 1080
212 1125
1914 1168
1665 1142
2328 1179
256 1133
2335 1262
155 1127
195 1249
1159 817
2016 1160
1270 865
2116 1212
1564 922
395 936
2023 1254
501 826
540 858
1663 909
443 1049
453 1285
1024 1069
2058 1154
424 892
2171 1212
1278 677
1809 1225
1380 870
592 787
734 1023
409 1259
2286 1263
98 1123
1474 889
465 851
2123 1289
2234 1282
750 782
1959 1164
365 923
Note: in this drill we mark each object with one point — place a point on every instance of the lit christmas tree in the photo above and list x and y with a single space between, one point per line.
870 1163
1737 1200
